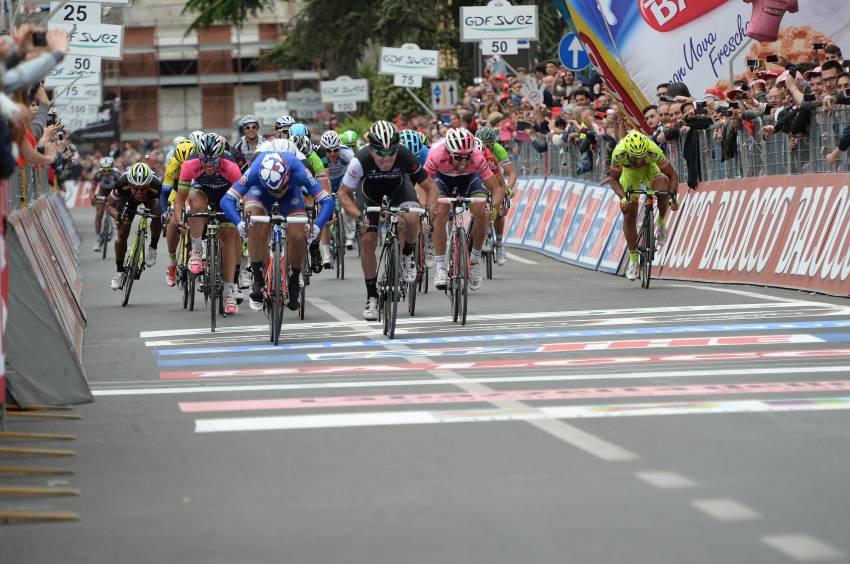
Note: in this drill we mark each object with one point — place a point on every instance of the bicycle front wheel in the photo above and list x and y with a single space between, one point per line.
339 241
131 270
276 290
213 279
463 276
646 250
104 235
393 272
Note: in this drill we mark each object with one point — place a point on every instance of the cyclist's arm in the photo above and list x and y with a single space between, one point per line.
350 182
320 195
670 172
318 169
112 206
229 203
615 172
494 184
510 171
428 185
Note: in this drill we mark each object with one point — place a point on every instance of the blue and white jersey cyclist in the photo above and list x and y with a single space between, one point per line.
415 142
335 156
276 178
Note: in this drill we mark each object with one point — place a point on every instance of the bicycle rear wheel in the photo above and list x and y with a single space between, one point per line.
419 261
104 235
646 250
339 241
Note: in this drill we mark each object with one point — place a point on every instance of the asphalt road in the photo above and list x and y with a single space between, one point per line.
575 419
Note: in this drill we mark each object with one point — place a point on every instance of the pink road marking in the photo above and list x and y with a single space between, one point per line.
351 370
514 395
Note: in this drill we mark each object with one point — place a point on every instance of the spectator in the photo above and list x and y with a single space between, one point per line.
832 53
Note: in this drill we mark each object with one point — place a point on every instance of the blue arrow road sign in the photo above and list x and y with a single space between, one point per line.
437 92
572 54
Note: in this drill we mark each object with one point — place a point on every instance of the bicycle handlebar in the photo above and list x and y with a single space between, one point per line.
211 215
142 211
477 200
656 192
380 209
276 219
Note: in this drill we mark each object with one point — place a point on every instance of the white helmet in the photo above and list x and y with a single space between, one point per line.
280 146
250 118
383 135
459 141
196 136
479 145
330 140
284 122
177 140
106 162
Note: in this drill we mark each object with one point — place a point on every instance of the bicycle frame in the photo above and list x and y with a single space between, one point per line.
646 234
457 286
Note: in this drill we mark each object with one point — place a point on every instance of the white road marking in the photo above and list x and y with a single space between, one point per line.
726 509
666 480
802 548
156 387
352 322
749 294
583 440
519 259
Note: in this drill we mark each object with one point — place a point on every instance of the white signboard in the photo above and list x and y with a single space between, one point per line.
498 22
345 89
78 93
444 94
533 90
270 109
102 40
75 13
345 106
500 47
110 2
410 60
77 115
305 103
407 80
74 68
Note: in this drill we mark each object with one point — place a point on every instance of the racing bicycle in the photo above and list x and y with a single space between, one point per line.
134 262
646 234
457 286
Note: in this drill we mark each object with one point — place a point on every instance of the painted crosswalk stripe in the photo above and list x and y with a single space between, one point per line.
512 337
123 390
382 418
554 394
513 364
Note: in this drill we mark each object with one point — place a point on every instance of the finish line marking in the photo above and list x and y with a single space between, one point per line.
527 336
626 312
512 395
351 370
374 419
226 388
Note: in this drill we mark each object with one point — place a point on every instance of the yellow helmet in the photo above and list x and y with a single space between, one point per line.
184 151
636 144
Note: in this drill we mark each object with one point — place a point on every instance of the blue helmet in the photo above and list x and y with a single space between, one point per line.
273 171
299 129
412 140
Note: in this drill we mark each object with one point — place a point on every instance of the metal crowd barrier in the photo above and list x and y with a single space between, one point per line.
778 155
26 186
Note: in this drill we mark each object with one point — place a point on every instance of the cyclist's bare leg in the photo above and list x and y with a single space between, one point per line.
229 257
438 236
98 217
662 183
122 233
296 244
482 223
197 204
410 233
258 235
172 236
630 213
369 242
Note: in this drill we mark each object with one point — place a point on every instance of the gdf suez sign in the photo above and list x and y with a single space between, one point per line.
498 20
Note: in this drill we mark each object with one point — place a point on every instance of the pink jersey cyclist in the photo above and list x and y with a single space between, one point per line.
453 179
215 185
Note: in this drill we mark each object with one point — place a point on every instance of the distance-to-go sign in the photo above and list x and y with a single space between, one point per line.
270 109
74 69
75 13
345 89
497 21
500 46
78 93
101 40
410 60
345 106
305 103
407 80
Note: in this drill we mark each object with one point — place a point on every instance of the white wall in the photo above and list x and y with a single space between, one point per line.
179 109
244 97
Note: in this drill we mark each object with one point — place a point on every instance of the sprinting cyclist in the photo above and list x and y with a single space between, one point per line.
637 159
247 144
137 186
275 177
170 197
104 182
505 167
384 168
335 159
205 180
415 143
282 125
458 168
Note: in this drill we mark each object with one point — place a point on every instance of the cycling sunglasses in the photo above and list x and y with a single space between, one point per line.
386 152
208 160
335 150
462 157
249 127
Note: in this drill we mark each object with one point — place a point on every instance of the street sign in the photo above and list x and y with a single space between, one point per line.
498 20
305 103
102 40
407 80
345 89
74 68
410 60
572 54
444 94
345 106
75 13
500 47
269 110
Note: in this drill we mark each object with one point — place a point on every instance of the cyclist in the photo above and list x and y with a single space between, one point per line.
335 159
170 197
282 125
460 169
635 160
136 186
251 137
415 143
104 182
384 168
313 161
505 168
204 181
177 140
275 177
349 139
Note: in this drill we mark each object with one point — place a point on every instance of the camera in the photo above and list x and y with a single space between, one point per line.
753 63
847 92
818 46
809 97
39 39
734 104
772 58
60 136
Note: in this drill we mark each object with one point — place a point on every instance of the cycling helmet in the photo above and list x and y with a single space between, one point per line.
177 140
279 146
636 144
140 174
210 146
459 141
383 135
273 172
487 134
330 140
183 151
349 138
196 136
424 139
284 123
106 163
304 144
410 138
479 145
298 129
250 118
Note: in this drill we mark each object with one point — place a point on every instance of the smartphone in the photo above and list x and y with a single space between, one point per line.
734 104
818 46
60 136
847 92
772 58
753 63
808 97
39 39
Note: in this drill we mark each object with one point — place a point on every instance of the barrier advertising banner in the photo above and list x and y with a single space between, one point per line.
698 43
